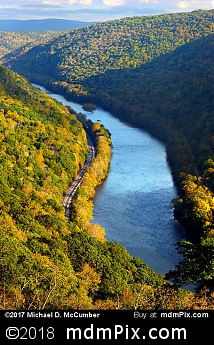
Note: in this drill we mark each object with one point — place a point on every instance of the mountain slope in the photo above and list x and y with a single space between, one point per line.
124 43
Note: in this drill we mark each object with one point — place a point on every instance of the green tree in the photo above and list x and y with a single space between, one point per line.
197 266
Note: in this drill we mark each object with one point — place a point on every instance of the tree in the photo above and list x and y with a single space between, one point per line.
195 210
197 266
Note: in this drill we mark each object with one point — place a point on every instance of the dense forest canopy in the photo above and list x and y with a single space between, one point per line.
124 43
153 71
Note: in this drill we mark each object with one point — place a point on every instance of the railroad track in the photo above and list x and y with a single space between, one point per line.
72 189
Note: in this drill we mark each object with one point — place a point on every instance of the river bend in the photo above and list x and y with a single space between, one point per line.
134 203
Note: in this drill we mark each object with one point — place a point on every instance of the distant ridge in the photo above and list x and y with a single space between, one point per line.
40 24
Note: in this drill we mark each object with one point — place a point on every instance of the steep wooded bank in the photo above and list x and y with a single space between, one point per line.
47 262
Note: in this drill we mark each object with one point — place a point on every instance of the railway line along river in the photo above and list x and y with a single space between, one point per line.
134 203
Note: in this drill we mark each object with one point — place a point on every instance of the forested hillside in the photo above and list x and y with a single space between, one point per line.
124 43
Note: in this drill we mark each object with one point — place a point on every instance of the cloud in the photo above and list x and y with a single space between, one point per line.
146 1
86 2
194 4
66 2
50 2
114 3
182 4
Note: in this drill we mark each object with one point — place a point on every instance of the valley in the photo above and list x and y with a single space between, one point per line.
155 74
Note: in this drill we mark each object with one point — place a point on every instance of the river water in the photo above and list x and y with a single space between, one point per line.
134 203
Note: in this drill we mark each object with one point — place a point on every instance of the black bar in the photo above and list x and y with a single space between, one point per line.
105 326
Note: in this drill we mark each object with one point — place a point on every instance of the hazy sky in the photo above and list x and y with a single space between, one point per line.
94 10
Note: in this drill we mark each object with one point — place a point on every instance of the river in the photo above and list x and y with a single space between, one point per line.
134 203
